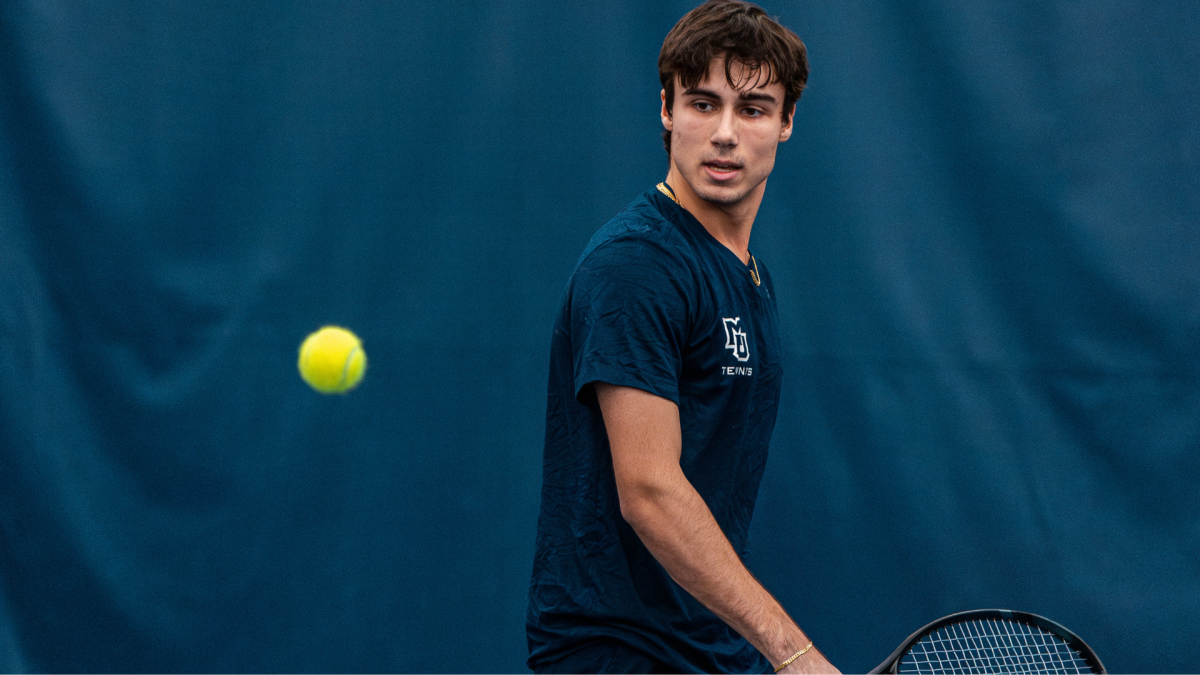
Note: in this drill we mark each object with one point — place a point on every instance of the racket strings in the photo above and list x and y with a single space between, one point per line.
992 646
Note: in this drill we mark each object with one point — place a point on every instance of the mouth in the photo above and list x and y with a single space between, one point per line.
722 168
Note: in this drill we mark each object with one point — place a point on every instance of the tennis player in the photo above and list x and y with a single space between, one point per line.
664 385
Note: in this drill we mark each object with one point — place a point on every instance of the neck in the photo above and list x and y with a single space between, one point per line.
729 224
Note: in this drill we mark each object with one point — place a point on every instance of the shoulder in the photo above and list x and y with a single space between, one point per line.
640 234
638 263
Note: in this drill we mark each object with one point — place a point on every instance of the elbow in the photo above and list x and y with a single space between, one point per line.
630 510
639 507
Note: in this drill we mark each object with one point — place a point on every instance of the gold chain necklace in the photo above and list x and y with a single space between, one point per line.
666 190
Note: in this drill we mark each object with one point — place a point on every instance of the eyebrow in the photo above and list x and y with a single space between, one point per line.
742 96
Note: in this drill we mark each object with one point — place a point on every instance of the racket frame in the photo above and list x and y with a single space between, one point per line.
891 665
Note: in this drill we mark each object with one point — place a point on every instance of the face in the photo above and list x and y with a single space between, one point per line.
723 139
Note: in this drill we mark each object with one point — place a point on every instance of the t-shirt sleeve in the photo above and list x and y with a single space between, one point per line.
629 318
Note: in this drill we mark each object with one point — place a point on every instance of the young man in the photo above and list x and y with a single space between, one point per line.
664 385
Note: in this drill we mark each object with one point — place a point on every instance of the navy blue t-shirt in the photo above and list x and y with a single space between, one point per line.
658 304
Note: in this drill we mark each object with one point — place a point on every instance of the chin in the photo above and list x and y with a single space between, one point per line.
721 195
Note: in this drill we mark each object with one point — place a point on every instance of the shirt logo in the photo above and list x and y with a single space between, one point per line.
735 339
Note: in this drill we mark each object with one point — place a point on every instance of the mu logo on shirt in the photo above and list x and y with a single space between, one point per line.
735 339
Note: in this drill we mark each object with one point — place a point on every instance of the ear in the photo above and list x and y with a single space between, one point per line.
786 132
667 122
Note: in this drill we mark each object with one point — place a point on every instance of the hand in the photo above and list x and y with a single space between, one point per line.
812 662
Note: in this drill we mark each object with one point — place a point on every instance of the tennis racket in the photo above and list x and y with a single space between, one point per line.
993 641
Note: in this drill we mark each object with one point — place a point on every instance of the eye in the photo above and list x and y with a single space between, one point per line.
752 112
703 106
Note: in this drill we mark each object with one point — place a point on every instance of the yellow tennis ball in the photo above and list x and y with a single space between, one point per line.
332 360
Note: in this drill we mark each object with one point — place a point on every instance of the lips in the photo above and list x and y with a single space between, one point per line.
721 165
720 169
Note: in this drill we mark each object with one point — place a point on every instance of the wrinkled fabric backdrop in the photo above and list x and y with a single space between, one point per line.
984 236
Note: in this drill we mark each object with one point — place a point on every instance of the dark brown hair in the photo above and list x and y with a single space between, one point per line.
742 33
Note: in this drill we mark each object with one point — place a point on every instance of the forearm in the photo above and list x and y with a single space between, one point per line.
679 530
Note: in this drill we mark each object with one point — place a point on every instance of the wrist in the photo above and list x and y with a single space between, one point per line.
789 660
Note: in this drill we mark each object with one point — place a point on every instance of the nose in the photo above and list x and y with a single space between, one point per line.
726 133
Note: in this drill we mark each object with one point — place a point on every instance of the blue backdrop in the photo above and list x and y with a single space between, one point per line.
985 236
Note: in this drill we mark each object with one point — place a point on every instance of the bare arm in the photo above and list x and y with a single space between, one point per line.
677 527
